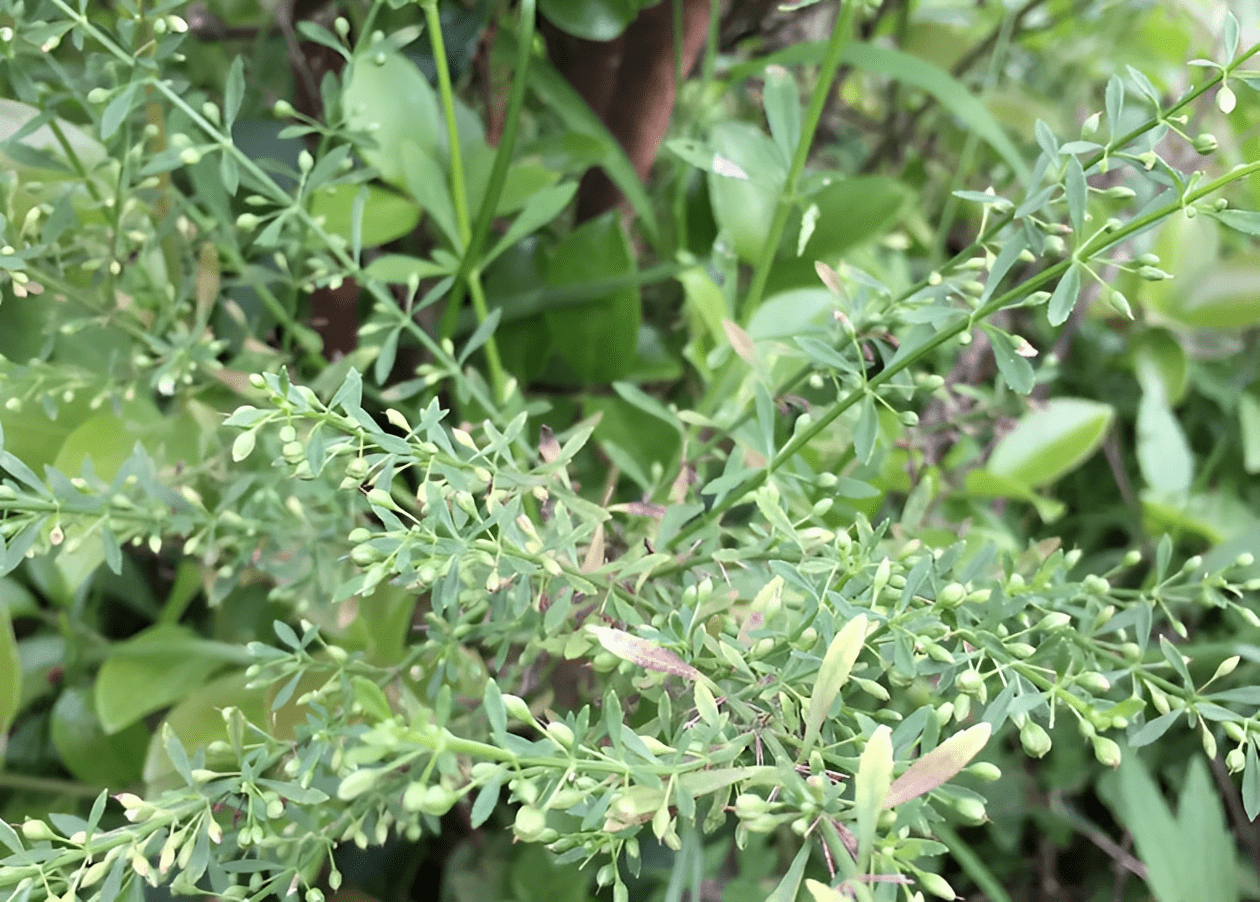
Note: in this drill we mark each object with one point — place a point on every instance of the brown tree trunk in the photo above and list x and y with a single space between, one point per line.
629 83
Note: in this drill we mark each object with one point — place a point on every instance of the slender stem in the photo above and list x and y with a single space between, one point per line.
468 276
48 785
1098 244
498 173
840 36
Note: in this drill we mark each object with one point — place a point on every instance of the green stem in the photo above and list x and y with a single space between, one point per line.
48 785
841 35
499 172
498 380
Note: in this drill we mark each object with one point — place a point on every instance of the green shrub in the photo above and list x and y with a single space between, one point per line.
729 591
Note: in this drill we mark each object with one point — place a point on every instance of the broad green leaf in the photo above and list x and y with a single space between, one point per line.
743 208
1222 297
87 751
1163 452
790 313
1249 425
597 339
149 672
987 484
1049 442
198 720
833 673
385 96
400 268
852 211
594 20
10 672
782 102
386 214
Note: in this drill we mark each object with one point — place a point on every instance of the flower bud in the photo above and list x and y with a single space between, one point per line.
1236 760
1226 99
1206 143
937 886
1034 739
1106 751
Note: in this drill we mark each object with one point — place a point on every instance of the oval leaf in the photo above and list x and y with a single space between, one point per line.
1049 442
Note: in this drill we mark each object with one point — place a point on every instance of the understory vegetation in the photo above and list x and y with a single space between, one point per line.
573 449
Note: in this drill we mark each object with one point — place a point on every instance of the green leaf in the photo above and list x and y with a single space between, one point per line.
150 671
1077 192
578 118
386 216
427 183
1251 784
198 720
481 335
1065 295
487 798
783 110
911 70
790 885
400 268
233 92
1245 221
1249 425
597 339
10 672
1015 368
117 110
386 97
1153 729
881 200
1222 296
744 198
1163 452
938 766
833 673
1115 104
1049 442
87 751
866 431
541 208
594 20
871 782
1159 843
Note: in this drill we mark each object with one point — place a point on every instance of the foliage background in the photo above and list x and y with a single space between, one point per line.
617 450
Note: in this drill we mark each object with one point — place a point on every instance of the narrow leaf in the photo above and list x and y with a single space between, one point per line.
643 653
871 785
1064 297
939 765
833 673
